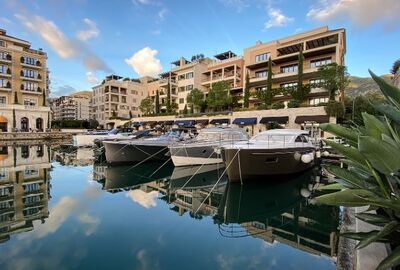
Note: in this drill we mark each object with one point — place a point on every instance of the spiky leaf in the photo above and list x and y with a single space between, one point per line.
388 110
387 229
340 131
391 92
374 219
349 152
374 127
392 260
347 178
347 197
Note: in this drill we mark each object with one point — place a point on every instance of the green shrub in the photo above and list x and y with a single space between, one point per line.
335 108
293 103
372 178
278 105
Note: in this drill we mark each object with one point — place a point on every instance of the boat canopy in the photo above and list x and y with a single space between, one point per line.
150 123
277 119
311 118
137 124
245 121
166 123
220 121
185 122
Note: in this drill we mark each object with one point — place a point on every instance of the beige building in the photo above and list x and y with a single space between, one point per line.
24 188
320 46
71 108
24 86
119 98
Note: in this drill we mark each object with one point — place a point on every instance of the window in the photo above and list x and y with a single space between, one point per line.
3 83
134 100
32 199
134 108
189 75
181 77
3 69
320 62
289 68
2 43
181 100
3 100
181 89
29 73
316 81
30 60
316 101
123 99
262 57
189 87
29 102
31 187
286 85
261 74
134 92
3 55
30 86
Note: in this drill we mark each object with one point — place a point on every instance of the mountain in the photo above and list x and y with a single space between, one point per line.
84 93
362 86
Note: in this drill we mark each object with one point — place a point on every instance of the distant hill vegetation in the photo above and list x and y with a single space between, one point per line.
85 93
363 86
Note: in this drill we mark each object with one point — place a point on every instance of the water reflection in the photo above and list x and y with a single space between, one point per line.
24 187
73 156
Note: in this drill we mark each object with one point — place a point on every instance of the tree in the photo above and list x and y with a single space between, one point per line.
266 95
269 75
195 98
16 98
146 106
14 120
114 114
157 102
219 96
185 110
246 94
130 115
44 98
168 105
395 67
335 78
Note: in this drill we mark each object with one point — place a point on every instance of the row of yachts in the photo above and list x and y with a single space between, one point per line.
269 153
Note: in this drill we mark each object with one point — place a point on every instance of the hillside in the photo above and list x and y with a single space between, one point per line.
362 86
85 93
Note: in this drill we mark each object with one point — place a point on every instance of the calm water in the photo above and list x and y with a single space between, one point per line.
61 211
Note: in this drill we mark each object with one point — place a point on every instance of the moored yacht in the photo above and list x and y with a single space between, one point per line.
151 149
89 138
272 152
204 149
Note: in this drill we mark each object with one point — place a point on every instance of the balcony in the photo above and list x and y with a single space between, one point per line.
164 82
37 78
6 74
37 64
6 87
7 59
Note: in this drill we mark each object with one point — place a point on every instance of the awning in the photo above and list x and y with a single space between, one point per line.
245 121
312 118
185 122
166 123
277 119
137 124
220 121
202 121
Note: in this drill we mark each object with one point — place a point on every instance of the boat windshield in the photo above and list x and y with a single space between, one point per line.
221 136
113 131
274 138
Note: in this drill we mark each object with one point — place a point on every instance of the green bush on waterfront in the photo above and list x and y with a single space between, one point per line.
372 178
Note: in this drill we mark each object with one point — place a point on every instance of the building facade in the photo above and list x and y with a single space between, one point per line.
24 86
118 98
71 108
319 46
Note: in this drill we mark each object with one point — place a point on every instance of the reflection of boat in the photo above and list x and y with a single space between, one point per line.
272 152
201 150
279 212
118 178
152 149
190 177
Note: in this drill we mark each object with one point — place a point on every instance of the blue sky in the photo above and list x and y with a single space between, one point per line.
85 39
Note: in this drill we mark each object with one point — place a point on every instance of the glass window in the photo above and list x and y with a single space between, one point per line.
262 57
286 85
2 43
30 60
3 100
3 55
189 87
3 69
316 81
189 75
30 86
261 74
3 83
320 62
181 100
289 68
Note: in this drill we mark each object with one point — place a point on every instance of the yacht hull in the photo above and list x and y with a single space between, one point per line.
255 164
194 155
131 153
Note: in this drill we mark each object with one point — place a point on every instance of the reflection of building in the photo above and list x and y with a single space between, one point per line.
24 187
70 155
23 86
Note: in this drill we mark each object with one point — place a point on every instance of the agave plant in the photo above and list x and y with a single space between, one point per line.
372 175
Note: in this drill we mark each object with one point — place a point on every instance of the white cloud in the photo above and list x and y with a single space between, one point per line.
147 200
90 221
161 14
145 63
141 2
91 78
360 12
91 31
49 32
5 20
277 18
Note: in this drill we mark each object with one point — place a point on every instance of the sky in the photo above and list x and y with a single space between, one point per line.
88 39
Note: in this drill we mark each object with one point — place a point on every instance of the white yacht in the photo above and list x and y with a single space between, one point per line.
204 149
89 138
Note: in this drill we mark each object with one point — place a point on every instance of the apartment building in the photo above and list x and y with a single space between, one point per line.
228 67
72 107
183 77
24 188
118 98
24 85
320 46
